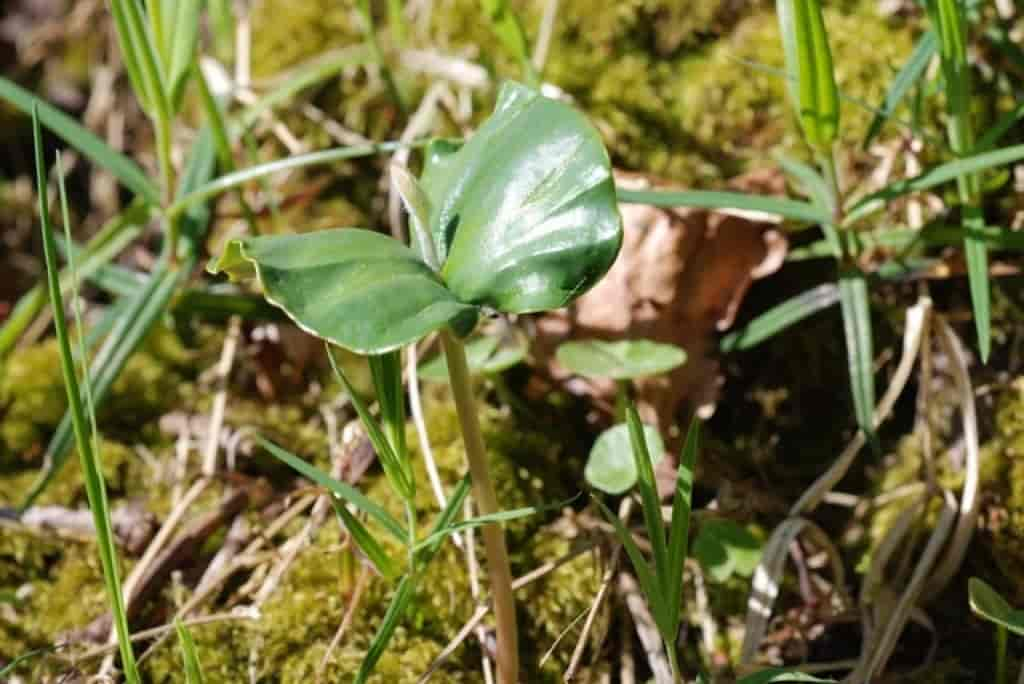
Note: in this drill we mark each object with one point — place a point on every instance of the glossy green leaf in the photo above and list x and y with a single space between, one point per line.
189 657
611 466
780 317
987 603
794 210
417 205
853 299
623 360
524 214
724 548
366 542
485 355
780 675
355 288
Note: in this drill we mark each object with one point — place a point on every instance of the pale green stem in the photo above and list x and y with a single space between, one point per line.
1001 635
498 568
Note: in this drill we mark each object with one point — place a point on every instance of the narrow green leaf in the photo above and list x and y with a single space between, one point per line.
243 176
622 360
385 565
386 370
184 36
85 437
647 485
16 662
189 657
97 269
644 574
793 210
404 595
82 139
417 205
130 56
138 40
341 490
679 532
931 178
909 75
485 355
853 299
804 40
480 520
445 519
781 316
611 465
810 181
215 120
976 252
987 603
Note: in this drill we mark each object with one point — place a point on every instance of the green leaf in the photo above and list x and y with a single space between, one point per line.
445 519
611 466
184 34
647 486
83 140
384 563
431 540
810 181
931 178
417 205
976 252
341 490
853 299
644 575
780 317
484 354
403 597
682 505
724 548
780 675
524 214
341 286
623 360
794 210
23 658
805 41
82 409
909 75
988 604
189 657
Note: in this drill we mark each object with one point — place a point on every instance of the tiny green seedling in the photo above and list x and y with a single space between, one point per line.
989 605
521 218
611 466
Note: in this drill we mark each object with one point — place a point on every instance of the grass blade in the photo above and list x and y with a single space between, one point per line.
134 38
70 131
648 488
908 75
85 437
385 565
931 178
451 510
399 477
509 30
644 574
233 180
189 657
810 181
781 316
183 38
386 370
680 530
976 252
343 491
439 535
793 210
853 299
399 604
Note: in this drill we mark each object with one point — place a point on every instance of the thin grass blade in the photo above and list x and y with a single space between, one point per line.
343 491
446 518
976 251
793 210
810 181
509 30
781 317
399 604
84 437
189 657
910 74
644 573
853 299
648 489
681 506
183 38
384 563
481 520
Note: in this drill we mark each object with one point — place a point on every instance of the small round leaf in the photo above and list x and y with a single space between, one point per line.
611 466
623 360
